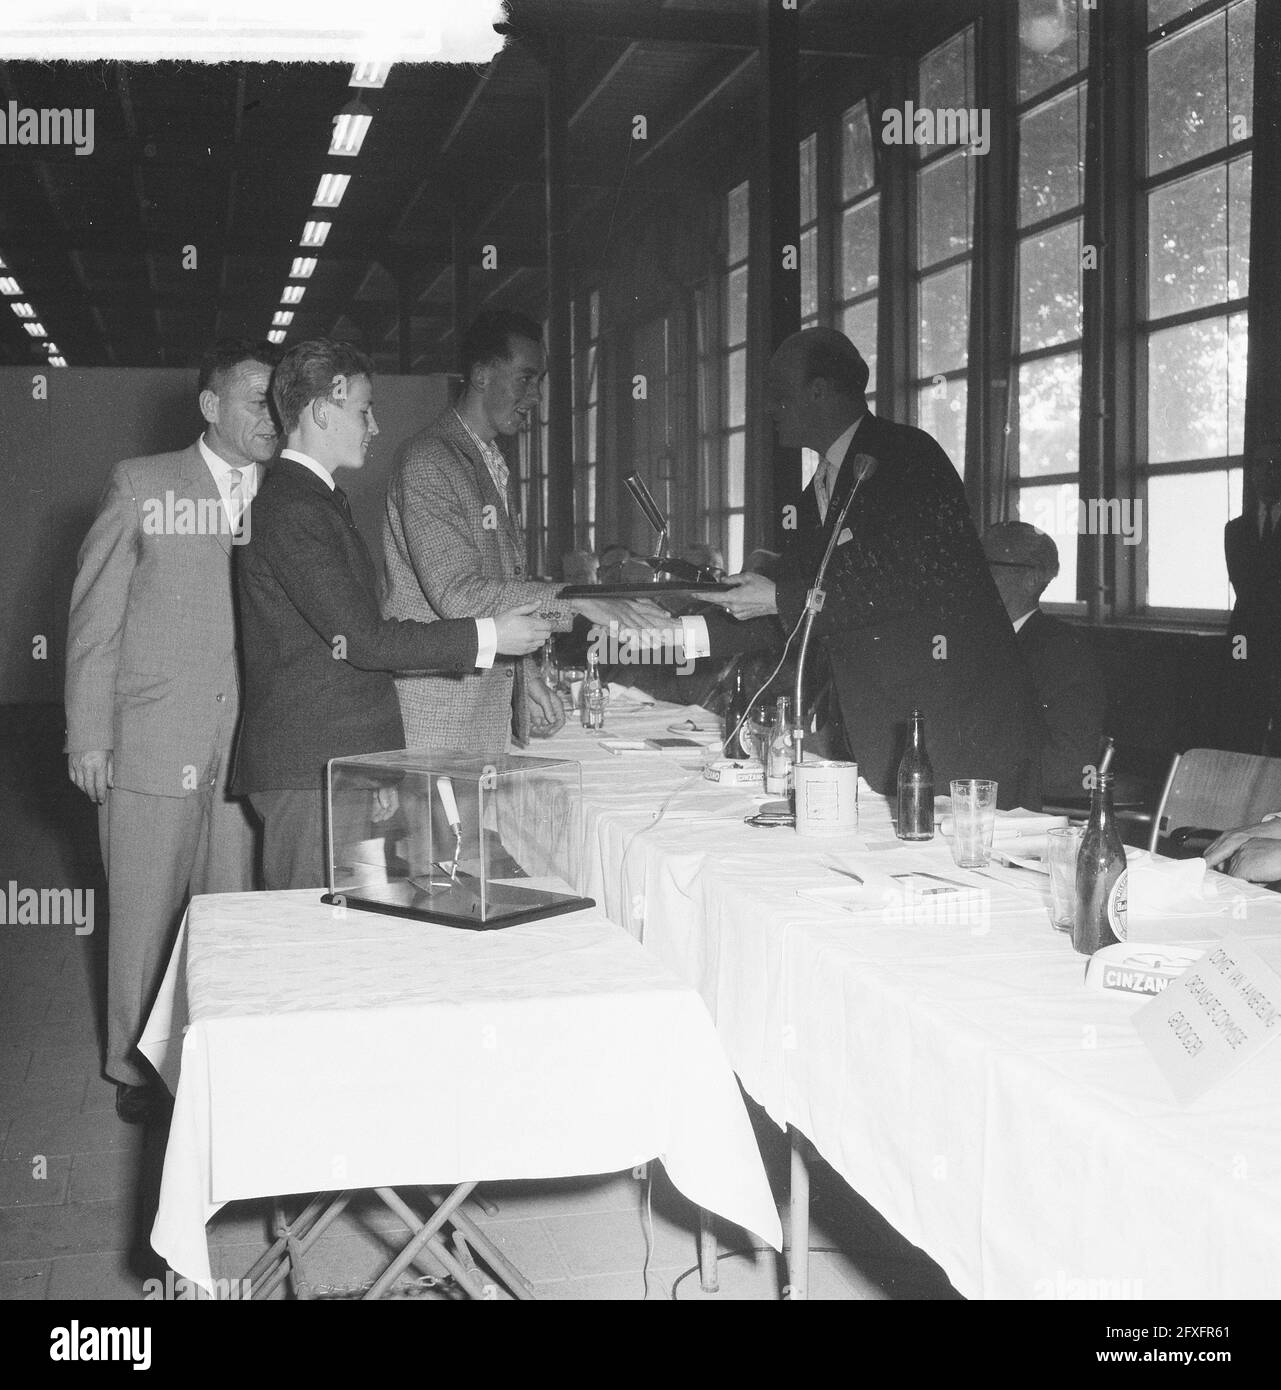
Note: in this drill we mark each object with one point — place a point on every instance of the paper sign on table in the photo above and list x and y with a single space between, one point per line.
1213 1018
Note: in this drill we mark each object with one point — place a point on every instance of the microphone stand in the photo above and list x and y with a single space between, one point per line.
815 597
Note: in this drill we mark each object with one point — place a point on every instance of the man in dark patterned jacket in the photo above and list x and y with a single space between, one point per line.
912 619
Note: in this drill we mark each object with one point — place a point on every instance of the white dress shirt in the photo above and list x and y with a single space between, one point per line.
222 472
829 467
494 460
694 634
486 628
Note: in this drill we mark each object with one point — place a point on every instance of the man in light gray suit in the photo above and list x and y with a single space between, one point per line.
152 690
453 548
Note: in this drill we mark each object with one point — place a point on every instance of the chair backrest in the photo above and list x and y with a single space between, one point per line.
1217 790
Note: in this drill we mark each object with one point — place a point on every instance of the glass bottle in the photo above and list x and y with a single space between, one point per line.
595 695
1100 876
915 787
782 751
735 735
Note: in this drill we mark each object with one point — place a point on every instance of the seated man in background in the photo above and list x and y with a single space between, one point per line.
579 567
1070 685
1252 852
706 557
318 654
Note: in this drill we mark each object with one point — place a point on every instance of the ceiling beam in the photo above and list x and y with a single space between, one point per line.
820 37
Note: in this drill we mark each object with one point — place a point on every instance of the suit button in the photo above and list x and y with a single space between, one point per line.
519 571
511 673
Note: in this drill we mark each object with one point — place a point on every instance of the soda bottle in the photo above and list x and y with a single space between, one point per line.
595 696
1100 876
736 738
915 787
782 751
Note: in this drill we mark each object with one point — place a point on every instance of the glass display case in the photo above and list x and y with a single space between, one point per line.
451 838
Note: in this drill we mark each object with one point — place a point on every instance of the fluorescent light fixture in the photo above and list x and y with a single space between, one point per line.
330 189
369 74
57 361
35 329
302 267
51 349
351 125
277 335
8 286
23 311
314 233
292 294
282 318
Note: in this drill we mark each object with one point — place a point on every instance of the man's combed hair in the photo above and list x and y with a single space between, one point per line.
489 339
306 373
228 353
831 355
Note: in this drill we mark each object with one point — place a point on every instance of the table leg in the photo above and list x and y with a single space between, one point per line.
424 1234
709 1274
516 1282
798 1244
293 1239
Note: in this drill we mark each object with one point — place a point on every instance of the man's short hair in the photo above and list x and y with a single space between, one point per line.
227 354
830 355
306 373
488 339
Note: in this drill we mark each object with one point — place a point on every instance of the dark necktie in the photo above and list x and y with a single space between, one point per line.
343 505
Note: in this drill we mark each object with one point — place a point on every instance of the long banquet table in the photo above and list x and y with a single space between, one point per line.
312 1048
957 1073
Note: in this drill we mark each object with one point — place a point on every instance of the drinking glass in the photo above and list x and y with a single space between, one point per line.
760 730
1062 845
973 821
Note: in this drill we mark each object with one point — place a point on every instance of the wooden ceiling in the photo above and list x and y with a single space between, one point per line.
226 159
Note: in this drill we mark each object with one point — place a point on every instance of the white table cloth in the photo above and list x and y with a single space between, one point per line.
311 1048
956 1073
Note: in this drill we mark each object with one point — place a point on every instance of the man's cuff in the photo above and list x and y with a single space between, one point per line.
486 642
694 637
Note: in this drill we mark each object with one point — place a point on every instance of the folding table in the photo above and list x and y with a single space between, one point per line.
320 1049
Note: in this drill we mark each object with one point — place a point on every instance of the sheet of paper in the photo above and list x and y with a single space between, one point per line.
1212 1019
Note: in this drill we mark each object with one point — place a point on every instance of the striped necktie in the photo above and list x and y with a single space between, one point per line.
237 498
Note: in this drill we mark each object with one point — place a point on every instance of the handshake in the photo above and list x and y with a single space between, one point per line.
525 628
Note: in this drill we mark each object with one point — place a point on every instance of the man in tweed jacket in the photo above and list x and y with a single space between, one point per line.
453 546
153 693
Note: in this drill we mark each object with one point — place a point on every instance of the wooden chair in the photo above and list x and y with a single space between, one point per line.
1216 790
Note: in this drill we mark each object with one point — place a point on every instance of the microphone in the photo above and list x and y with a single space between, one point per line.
863 465
681 569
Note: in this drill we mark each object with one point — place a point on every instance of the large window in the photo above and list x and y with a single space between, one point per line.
585 348
1195 203
944 187
859 210
722 393
1046 415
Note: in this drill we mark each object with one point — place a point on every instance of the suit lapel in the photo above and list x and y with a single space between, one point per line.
861 443
485 483
200 484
